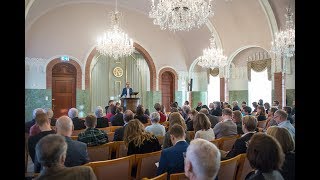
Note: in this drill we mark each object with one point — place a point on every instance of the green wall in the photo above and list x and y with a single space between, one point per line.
36 98
241 95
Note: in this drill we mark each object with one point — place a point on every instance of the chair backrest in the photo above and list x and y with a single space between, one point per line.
77 132
178 176
113 169
74 137
262 124
120 148
113 128
227 142
110 136
244 167
216 142
160 139
160 177
105 129
190 134
146 166
101 152
228 168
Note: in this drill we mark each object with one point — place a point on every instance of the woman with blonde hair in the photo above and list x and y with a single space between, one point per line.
138 140
174 118
202 127
287 143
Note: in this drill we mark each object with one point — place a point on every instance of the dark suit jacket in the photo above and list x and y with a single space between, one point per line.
102 122
124 91
288 167
77 154
172 160
33 140
67 173
117 120
118 134
239 146
78 123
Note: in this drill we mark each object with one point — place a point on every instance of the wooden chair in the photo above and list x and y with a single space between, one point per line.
113 128
226 143
101 152
244 167
74 137
110 136
160 139
216 142
105 129
146 164
228 168
113 169
160 177
190 134
120 148
178 176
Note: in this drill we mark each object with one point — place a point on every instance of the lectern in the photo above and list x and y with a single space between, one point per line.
130 103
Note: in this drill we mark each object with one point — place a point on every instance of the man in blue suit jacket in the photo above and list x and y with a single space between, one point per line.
127 91
172 160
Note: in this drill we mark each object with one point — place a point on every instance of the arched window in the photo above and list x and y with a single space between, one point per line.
259 87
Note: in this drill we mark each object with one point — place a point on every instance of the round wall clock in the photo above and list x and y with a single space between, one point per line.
117 71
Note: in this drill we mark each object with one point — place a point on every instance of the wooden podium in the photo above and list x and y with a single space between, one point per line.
130 103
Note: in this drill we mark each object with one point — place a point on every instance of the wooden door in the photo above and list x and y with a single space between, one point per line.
167 89
63 88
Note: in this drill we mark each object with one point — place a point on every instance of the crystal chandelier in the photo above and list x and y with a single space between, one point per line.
180 15
115 43
284 42
212 57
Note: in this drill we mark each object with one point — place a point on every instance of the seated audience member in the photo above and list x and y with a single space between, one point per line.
77 123
171 160
101 121
77 153
288 110
202 127
147 112
118 134
29 124
243 104
235 106
249 123
111 111
42 121
110 103
143 118
237 119
202 161
199 106
50 116
51 152
174 118
92 136
265 155
281 118
156 128
226 127
246 111
190 120
213 119
217 110
270 118
138 140
286 141
261 113
267 107
276 104
255 106
117 119
185 111
163 117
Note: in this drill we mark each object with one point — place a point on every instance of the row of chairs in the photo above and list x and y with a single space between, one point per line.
232 169
106 129
225 143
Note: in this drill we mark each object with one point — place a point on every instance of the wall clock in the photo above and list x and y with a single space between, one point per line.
117 71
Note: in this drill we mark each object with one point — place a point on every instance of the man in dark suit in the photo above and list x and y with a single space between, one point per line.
118 134
51 151
172 160
127 91
117 119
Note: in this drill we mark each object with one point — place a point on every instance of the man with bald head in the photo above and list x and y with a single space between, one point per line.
77 153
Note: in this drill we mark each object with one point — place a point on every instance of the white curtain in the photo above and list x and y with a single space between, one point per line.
105 86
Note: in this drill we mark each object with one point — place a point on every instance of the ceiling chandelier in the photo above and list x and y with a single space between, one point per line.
284 42
115 42
212 57
180 15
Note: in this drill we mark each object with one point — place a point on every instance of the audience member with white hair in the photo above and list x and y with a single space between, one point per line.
50 116
51 152
156 128
101 121
202 161
29 124
77 123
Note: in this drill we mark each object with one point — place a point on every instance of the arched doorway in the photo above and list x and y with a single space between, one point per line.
64 78
167 89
